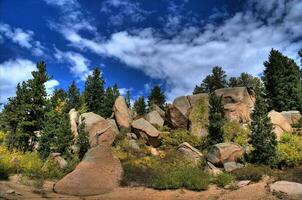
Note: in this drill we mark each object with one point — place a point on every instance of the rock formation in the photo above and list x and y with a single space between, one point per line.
280 123
190 152
155 119
74 120
122 114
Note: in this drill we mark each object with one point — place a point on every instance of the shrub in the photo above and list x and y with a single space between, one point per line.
199 115
289 150
82 141
252 172
223 179
179 136
2 137
234 132
4 171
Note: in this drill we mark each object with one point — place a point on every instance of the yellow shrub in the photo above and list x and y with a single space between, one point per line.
234 132
2 137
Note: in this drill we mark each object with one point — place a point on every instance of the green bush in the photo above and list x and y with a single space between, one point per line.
179 136
234 132
289 150
252 172
2 137
4 171
223 179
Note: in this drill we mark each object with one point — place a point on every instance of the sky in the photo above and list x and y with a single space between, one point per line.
139 44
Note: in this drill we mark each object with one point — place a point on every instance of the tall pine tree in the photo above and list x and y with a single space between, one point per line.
128 98
73 97
246 80
216 120
282 82
262 137
94 93
140 106
109 102
157 97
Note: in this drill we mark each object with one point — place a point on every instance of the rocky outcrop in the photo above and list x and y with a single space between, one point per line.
288 189
292 116
122 114
231 166
190 152
155 107
155 119
280 123
99 172
145 130
100 130
74 120
175 118
182 104
195 99
224 152
238 102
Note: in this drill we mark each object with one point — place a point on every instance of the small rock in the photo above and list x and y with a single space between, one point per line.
133 144
243 183
154 151
231 166
131 136
190 152
211 169
155 119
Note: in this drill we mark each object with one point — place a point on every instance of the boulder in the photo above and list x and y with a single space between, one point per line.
211 169
175 118
114 125
291 190
238 102
133 144
121 112
98 173
195 98
292 116
190 152
280 123
182 104
224 152
145 130
61 162
231 166
100 130
74 120
155 119
243 183
131 136
155 107
154 151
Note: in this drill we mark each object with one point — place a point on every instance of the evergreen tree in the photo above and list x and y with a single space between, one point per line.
262 137
116 91
56 135
157 97
300 54
140 106
25 112
82 141
246 80
216 120
212 82
128 98
94 93
73 97
109 102
58 96
282 82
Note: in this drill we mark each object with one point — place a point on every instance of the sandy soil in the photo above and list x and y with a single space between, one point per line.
13 189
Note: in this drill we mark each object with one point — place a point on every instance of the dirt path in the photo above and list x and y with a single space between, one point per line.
13 189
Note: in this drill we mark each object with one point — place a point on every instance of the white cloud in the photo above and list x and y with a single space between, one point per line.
50 86
24 38
78 64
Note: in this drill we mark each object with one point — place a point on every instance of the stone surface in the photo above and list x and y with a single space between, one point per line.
153 151
211 169
74 120
290 189
238 103
175 118
224 152
155 119
195 98
62 163
231 166
155 107
99 172
131 136
190 152
280 123
100 130
133 144
292 116
182 104
145 130
114 125
243 183
122 114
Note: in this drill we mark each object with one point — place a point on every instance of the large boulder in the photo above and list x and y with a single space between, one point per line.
155 119
182 104
145 130
122 114
74 120
155 107
190 152
224 152
292 116
175 118
195 99
238 102
280 123
99 172
288 189
100 130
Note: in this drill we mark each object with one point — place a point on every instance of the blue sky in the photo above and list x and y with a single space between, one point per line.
138 44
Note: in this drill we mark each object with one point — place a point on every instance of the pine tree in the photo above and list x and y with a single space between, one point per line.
212 82
140 106
109 102
157 97
216 120
116 91
282 81
262 137
94 93
246 80
58 96
73 97
128 98
82 141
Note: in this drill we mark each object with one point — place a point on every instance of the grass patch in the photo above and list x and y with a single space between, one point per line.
223 179
252 172
235 132
170 140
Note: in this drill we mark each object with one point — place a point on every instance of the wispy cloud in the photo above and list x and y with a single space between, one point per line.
23 38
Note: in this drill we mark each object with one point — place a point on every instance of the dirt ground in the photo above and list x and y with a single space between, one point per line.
13 189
